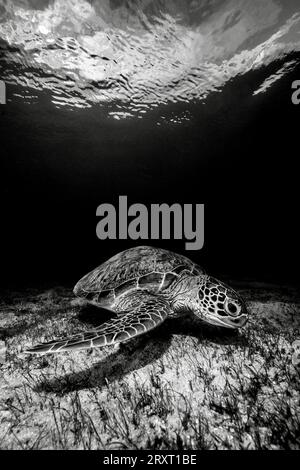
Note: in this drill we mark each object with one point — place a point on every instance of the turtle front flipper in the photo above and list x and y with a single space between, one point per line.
146 314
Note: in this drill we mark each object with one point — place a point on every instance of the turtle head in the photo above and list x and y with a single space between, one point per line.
220 305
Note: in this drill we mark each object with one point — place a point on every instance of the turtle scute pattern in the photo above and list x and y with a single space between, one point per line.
130 284
135 267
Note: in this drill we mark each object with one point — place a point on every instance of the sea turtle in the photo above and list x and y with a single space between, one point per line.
143 286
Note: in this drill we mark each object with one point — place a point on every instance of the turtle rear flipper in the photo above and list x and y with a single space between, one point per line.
145 315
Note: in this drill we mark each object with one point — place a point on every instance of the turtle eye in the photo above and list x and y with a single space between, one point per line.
233 308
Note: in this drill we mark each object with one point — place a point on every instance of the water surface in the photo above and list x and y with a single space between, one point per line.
128 57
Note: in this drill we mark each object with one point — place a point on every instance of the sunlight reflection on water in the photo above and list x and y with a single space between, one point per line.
132 56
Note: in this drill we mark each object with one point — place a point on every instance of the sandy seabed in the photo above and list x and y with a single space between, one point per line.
185 385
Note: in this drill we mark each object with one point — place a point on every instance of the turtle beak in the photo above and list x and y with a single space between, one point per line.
228 322
237 322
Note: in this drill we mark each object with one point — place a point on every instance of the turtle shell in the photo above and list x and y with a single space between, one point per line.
142 267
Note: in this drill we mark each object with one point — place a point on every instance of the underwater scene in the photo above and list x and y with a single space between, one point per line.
149 191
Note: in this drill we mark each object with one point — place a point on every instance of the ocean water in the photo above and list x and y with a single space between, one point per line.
184 101
130 57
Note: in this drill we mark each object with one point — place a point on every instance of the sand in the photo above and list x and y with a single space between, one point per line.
185 385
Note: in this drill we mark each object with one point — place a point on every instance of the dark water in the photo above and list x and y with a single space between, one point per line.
163 101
